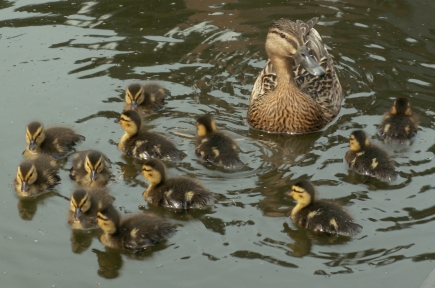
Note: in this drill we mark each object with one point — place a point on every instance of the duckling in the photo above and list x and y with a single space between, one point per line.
36 176
84 206
89 169
143 144
320 215
55 141
368 159
136 232
399 125
145 98
177 192
216 147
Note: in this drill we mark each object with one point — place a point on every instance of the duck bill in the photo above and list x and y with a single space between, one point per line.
303 58
94 175
32 145
134 105
77 214
24 186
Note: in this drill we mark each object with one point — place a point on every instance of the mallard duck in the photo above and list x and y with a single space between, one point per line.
298 91
320 215
145 98
399 125
84 206
216 147
143 144
55 141
89 169
36 176
136 232
368 159
177 192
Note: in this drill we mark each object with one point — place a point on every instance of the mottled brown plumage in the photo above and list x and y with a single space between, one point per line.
399 125
89 169
368 159
58 142
141 144
320 215
145 98
136 232
298 91
216 147
84 206
177 192
36 176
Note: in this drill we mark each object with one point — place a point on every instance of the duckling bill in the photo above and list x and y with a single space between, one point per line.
215 147
136 232
36 176
368 159
177 192
89 169
320 215
399 125
58 142
141 144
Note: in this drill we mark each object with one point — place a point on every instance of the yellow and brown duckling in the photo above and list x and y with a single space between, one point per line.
136 232
399 125
368 159
142 144
36 176
298 91
55 141
89 169
145 98
177 192
84 206
216 147
320 215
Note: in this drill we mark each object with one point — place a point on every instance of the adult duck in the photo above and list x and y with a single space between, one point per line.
298 91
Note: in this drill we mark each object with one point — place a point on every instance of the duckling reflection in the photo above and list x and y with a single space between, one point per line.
399 125
145 98
58 142
27 207
90 169
110 262
82 239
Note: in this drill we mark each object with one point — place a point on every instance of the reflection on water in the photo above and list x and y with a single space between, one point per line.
76 59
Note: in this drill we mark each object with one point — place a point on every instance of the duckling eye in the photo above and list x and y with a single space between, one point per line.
282 35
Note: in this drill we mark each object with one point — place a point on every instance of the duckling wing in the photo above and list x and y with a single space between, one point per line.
153 145
398 129
373 162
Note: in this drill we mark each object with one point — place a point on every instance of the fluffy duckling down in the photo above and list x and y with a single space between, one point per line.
177 192
89 169
320 215
399 125
145 98
368 159
216 147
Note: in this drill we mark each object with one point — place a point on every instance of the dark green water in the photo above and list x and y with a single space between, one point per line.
68 63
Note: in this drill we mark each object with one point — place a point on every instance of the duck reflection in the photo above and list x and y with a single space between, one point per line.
82 239
27 206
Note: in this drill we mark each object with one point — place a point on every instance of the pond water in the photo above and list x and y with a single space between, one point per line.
68 63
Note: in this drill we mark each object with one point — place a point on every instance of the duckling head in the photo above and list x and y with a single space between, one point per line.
303 192
26 175
108 220
285 39
130 121
94 164
134 95
35 135
205 125
358 141
80 202
401 107
154 171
